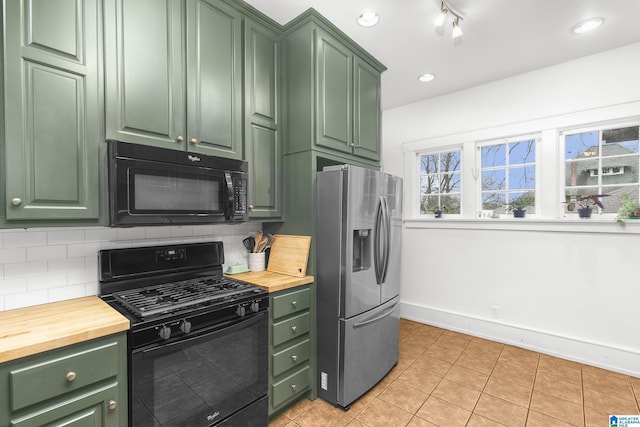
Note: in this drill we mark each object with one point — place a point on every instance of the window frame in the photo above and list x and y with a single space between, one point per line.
440 150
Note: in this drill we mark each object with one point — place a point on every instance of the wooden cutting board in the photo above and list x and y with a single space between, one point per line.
289 255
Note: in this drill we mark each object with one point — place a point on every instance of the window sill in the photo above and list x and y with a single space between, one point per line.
592 225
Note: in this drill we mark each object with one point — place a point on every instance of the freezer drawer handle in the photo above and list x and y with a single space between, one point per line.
293 329
375 319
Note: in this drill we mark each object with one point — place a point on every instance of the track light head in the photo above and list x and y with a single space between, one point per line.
456 31
439 19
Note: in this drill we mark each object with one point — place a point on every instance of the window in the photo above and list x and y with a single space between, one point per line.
440 175
601 162
508 174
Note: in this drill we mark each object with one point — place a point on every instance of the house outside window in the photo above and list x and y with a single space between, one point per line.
601 162
440 179
508 174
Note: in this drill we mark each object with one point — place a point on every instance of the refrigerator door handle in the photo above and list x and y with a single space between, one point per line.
387 238
378 249
375 319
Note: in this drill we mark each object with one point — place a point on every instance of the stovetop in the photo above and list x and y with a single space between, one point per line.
173 296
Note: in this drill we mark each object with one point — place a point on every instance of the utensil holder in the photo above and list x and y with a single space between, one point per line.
256 261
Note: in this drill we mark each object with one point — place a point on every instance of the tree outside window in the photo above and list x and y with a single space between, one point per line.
508 174
440 175
602 161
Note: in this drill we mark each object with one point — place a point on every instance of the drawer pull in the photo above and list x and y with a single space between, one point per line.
70 376
112 405
293 329
294 303
293 387
294 358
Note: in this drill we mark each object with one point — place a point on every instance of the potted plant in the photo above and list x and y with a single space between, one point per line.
586 203
630 209
437 212
519 206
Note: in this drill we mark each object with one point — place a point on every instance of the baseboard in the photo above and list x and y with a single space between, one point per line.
606 356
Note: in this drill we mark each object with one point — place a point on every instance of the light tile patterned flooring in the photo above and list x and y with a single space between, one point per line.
445 378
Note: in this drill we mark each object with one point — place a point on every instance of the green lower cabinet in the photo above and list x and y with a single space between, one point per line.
52 110
83 384
291 348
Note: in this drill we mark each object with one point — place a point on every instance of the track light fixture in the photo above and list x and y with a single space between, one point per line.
438 21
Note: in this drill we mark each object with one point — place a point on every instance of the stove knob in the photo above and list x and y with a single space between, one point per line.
240 311
165 332
255 306
185 326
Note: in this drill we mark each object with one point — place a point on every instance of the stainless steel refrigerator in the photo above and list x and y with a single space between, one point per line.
359 224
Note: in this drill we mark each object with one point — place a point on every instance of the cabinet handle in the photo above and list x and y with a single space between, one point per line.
294 358
293 329
16 201
180 138
70 376
193 140
293 387
294 303
112 405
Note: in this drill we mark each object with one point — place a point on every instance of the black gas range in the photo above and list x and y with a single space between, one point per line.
198 339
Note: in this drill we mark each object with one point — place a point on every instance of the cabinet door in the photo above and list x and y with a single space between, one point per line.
144 72
214 78
52 109
366 110
334 94
262 117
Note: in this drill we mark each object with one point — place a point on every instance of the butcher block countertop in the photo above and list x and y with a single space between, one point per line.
30 330
271 281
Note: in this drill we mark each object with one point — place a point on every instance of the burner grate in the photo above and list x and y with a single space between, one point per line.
172 296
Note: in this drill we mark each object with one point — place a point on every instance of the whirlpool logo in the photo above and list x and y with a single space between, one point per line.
193 158
213 416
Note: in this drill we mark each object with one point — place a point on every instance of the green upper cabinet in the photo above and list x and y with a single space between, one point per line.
52 109
262 119
173 74
332 91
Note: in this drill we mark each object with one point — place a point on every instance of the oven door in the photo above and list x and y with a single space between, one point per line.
217 377
147 193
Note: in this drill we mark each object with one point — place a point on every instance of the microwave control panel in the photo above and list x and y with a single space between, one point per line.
240 196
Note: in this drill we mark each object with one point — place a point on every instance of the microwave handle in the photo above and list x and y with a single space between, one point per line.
229 180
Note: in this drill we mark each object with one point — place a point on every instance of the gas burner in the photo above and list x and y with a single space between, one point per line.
169 297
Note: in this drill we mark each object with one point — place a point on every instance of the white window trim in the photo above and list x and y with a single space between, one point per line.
418 174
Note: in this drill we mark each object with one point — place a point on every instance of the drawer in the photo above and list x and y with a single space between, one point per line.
290 387
61 373
290 303
291 357
291 328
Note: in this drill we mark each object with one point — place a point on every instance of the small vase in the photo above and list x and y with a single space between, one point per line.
585 212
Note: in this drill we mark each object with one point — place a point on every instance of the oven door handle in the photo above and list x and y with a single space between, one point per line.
203 335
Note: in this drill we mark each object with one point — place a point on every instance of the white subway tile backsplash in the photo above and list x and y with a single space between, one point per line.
51 264
41 253
25 269
13 255
65 236
25 299
24 238
13 286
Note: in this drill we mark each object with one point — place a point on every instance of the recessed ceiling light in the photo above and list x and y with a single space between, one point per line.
426 77
588 25
368 18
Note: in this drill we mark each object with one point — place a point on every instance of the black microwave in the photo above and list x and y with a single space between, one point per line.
158 186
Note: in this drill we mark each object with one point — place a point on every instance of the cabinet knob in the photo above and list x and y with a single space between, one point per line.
294 358
193 140
70 376
250 207
293 387
112 405
180 138
294 303
293 329
16 201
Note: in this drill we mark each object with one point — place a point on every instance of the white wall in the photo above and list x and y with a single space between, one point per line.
41 265
572 293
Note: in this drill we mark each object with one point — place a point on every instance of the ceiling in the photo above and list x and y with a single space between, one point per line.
502 38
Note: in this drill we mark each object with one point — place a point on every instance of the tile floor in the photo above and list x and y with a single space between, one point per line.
445 378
